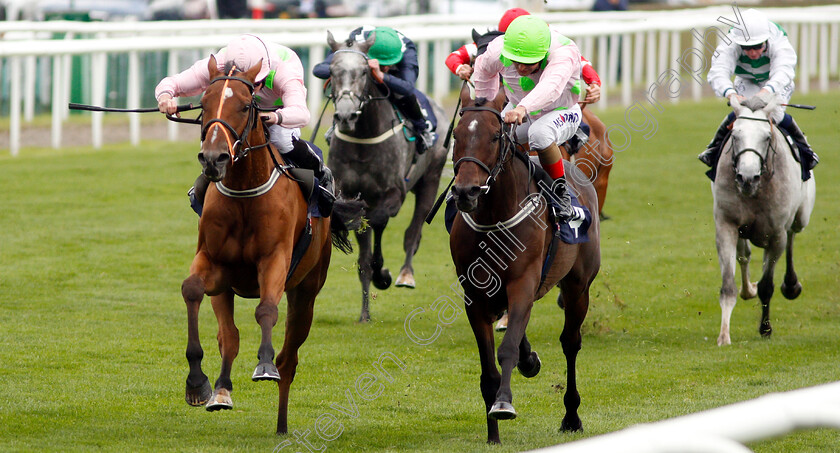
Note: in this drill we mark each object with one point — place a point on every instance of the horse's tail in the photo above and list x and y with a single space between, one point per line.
347 215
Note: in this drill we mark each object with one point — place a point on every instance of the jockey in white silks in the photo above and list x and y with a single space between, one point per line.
764 62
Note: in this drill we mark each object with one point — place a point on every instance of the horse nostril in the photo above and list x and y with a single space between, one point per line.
755 179
739 178
354 116
474 191
201 159
223 159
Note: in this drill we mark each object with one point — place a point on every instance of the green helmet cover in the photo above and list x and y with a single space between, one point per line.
526 40
387 48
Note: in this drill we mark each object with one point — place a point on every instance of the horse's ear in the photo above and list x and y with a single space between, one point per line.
466 95
213 67
331 41
736 105
476 36
252 73
364 46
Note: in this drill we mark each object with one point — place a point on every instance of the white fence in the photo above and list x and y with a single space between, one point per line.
725 429
631 50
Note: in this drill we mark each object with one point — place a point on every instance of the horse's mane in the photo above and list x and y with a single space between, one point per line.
755 103
480 101
228 66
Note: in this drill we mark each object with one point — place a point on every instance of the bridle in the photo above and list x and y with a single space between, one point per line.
365 98
771 147
506 147
234 139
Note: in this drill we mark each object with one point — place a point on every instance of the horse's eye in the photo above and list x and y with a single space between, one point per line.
246 108
497 137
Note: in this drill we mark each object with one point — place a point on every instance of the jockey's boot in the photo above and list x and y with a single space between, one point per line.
424 135
807 155
710 155
302 155
197 192
552 162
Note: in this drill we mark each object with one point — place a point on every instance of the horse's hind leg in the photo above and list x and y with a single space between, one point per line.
198 389
765 286
748 288
791 288
300 303
576 297
490 377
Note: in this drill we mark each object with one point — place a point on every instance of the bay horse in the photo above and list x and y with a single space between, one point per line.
759 198
492 187
254 216
595 158
371 158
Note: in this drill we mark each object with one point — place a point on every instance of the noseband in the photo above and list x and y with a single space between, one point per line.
771 147
227 129
506 145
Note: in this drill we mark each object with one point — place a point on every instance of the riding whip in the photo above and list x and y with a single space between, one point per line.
801 106
94 108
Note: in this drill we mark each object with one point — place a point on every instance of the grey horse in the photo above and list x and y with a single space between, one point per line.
759 198
371 157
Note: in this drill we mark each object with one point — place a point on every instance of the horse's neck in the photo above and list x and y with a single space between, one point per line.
255 168
507 194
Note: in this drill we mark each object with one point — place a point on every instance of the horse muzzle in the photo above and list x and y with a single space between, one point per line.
214 165
466 197
748 183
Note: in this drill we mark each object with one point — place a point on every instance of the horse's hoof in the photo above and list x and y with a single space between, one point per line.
405 280
765 330
364 318
791 292
383 279
749 291
535 370
266 372
604 216
501 324
197 396
502 410
220 401
571 424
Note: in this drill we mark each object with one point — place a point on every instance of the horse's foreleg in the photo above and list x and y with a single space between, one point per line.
365 272
228 338
520 296
748 288
765 286
490 377
272 281
576 297
380 276
424 199
726 241
198 389
300 303
791 288
529 362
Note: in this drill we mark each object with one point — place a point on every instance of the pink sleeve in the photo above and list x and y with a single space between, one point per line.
288 86
563 63
190 82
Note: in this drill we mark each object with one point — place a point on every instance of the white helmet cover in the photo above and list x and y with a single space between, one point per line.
755 28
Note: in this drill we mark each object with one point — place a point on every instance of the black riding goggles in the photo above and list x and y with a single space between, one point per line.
755 47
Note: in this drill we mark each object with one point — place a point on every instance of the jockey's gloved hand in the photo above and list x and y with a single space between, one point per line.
167 104
271 118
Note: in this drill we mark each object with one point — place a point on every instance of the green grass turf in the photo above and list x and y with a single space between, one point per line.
95 244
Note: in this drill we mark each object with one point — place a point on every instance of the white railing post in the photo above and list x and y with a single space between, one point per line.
58 100
171 69
14 105
98 86
603 70
314 90
31 76
626 70
441 74
133 96
675 57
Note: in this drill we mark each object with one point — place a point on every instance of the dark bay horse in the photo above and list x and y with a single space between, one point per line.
254 216
595 158
500 261
371 157
759 198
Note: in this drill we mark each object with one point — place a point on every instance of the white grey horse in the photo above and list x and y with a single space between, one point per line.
759 197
